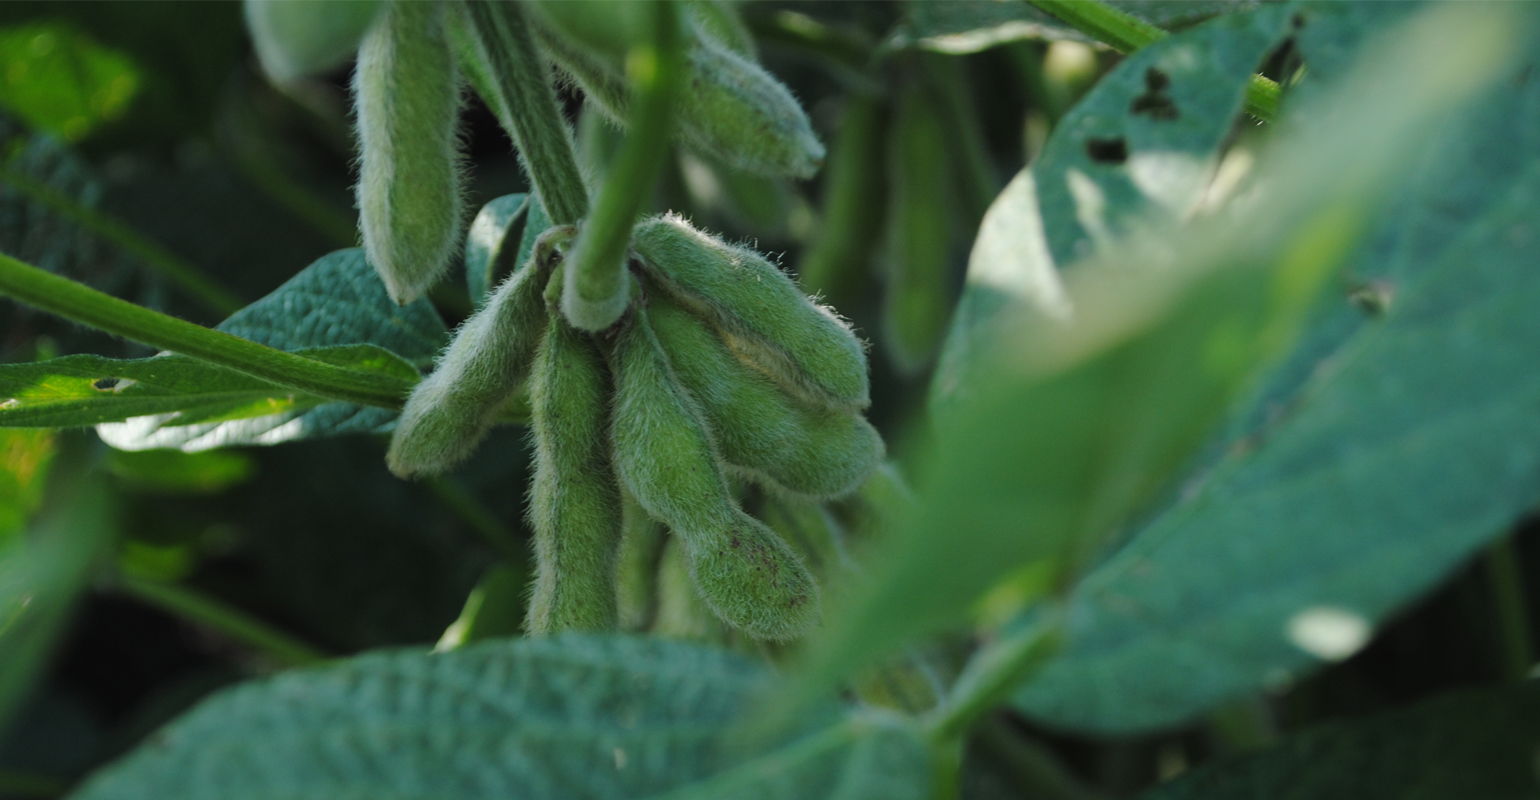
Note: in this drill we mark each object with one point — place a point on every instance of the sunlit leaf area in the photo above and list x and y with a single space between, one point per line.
769 400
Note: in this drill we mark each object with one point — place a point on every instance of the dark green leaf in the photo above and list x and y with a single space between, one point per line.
1390 446
496 223
565 718
1127 154
326 311
1469 744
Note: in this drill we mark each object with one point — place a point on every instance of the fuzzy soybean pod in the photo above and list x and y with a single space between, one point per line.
803 346
749 577
769 435
486 363
731 109
407 97
636 566
574 500
917 303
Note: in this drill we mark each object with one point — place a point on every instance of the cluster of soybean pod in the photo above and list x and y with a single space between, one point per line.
668 373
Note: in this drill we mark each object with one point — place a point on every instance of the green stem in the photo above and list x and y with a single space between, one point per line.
993 673
946 769
514 74
186 276
27 784
1512 618
596 291
1126 33
87 306
200 609
481 519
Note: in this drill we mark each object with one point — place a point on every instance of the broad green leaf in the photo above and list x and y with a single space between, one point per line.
295 38
74 391
485 262
970 26
1139 149
1384 452
1082 419
334 308
1468 744
566 718
62 82
40 575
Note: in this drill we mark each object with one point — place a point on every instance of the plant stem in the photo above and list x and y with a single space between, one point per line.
525 104
946 775
993 672
596 291
1126 33
200 609
1512 619
479 517
104 312
186 276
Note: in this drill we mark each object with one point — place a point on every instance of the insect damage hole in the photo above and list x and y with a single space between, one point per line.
1155 101
104 384
1107 151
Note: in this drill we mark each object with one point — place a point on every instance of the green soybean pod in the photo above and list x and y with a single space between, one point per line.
636 566
767 434
855 187
294 38
486 364
766 318
574 500
682 614
663 451
720 20
732 109
917 304
407 98
814 531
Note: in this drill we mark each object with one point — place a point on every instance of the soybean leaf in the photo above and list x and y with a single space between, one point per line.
566 717
1140 147
485 261
1387 449
87 390
1469 744
174 472
39 578
26 457
970 26
327 311
1080 420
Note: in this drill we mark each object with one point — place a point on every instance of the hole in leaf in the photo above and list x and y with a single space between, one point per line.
1155 101
1107 151
104 384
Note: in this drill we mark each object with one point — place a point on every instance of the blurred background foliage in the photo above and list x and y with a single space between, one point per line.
153 119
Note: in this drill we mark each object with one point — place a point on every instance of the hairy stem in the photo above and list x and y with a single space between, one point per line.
104 312
185 276
200 609
514 81
1126 33
596 292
